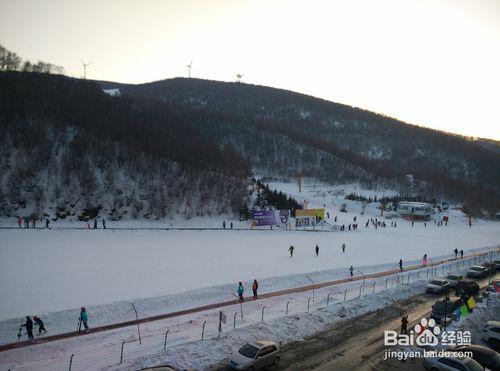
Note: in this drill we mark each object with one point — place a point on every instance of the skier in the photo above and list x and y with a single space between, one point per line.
351 270
366 225
26 223
328 215
255 287
404 324
461 254
47 223
395 225
103 224
20 222
412 223
317 250
291 250
240 291
424 260
29 327
84 318
456 253
335 219
95 223
343 247
39 323
224 224
231 225
33 222
401 264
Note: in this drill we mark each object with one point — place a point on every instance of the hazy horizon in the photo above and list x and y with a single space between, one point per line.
427 63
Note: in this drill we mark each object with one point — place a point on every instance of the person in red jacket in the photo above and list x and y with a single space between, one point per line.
255 287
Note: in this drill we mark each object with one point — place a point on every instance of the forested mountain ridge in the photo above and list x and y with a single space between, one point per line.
350 143
188 147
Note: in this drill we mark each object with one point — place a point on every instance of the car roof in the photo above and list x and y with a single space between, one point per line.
477 266
493 323
439 279
261 343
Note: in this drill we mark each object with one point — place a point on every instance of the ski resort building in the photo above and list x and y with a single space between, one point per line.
414 210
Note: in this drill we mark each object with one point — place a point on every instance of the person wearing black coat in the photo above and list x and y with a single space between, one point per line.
29 327
39 323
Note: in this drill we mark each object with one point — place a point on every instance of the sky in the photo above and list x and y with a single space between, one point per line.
433 63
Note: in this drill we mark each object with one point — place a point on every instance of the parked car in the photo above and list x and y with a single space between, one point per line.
466 288
491 334
478 271
486 357
451 364
437 286
492 266
445 307
255 355
495 285
453 279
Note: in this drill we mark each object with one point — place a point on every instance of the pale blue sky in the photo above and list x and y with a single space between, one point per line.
432 63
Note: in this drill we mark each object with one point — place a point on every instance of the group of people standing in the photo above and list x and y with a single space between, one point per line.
241 289
25 221
37 321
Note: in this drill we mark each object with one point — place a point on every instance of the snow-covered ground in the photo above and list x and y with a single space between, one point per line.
53 272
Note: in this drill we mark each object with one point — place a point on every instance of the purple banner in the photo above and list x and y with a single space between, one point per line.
271 217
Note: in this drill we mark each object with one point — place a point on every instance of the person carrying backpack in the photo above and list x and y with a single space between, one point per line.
255 287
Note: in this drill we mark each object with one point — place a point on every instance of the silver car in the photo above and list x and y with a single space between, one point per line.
477 271
453 279
255 355
437 286
451 364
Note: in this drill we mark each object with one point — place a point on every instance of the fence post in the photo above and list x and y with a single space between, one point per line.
386 283
308 302
397 280
345 294
360 287
286 310
165 343
374 283
263 313
234 320
328 299
137 321
309 278
203 330
442 271
121 352
71 361
418 276
409 278
427 273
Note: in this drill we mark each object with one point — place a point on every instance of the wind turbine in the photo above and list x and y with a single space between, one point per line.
85 68
239 77
189 68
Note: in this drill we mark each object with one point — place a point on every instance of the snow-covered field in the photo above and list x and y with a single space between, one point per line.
52 273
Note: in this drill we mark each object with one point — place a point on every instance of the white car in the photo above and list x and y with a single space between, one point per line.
437 286
491 332
255 355
451 364
453 279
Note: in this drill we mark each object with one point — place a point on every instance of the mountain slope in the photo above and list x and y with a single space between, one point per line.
363 145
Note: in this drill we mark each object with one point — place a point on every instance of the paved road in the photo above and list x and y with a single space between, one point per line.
357 343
